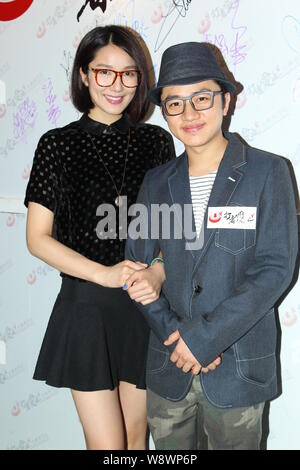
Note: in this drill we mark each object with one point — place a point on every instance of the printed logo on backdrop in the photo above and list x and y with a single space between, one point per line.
11 332
29 442
12 373
10 10
33 400
290 317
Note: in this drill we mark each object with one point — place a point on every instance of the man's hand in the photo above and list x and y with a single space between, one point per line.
182 355
145 286
184 358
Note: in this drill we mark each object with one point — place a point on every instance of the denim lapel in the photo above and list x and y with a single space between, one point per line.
227 180
179 187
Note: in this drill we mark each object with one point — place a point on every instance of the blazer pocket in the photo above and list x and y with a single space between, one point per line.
260 371
255 352
235 241
157 360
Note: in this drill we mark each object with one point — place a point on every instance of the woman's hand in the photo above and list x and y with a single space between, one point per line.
116 276
144 286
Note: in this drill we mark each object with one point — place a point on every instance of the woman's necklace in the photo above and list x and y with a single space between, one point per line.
118 200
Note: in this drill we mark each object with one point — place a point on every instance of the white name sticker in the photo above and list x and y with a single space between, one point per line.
232 217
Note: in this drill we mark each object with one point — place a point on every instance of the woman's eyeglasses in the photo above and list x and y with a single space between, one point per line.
107 77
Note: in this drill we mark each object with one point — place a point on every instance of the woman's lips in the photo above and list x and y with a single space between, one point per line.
193 128
114 99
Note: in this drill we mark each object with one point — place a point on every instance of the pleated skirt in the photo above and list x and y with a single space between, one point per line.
96 337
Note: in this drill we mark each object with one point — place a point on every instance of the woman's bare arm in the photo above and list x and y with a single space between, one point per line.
42 245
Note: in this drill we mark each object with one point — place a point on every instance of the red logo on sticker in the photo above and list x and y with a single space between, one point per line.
216 218
12 10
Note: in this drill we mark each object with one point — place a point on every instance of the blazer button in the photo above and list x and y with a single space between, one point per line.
197 289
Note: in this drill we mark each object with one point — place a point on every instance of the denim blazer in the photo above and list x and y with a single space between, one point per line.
221 297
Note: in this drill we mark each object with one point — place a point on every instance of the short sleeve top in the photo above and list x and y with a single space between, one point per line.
70 177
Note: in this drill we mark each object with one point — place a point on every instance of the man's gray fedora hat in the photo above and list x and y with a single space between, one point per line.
187 63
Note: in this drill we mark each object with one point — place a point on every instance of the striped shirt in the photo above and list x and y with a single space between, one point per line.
201 187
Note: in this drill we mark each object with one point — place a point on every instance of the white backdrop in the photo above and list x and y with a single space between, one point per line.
260 42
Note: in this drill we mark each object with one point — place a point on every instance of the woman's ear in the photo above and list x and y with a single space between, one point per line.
84 77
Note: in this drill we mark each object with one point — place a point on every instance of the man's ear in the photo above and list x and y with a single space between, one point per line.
84 77
227 99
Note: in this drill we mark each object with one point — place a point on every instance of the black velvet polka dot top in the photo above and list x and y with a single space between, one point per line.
68 178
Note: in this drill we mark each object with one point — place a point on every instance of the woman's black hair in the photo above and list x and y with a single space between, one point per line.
126 39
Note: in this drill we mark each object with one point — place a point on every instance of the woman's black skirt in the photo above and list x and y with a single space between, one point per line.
96 337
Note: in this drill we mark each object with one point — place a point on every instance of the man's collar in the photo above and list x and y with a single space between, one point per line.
234 155
98 128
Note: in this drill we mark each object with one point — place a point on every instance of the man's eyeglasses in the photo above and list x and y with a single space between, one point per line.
200 101
107 77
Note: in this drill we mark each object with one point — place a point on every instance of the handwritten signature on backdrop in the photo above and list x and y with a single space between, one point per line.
93 5
177 9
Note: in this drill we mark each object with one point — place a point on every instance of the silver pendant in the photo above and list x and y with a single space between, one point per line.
118 201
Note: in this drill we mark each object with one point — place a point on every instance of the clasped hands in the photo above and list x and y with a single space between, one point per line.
144 286
184 358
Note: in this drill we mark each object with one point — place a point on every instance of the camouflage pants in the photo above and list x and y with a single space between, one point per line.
195 424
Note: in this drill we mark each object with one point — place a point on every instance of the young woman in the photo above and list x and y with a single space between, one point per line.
96 340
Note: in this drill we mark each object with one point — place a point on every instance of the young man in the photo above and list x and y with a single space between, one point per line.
211 360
